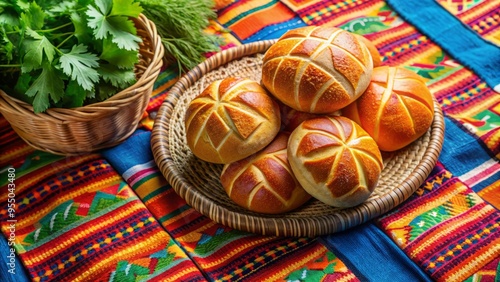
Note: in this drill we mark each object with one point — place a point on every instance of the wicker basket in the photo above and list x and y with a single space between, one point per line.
198 182
95 126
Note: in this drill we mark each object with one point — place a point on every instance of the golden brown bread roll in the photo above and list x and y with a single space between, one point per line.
317 69
335 160
264 181
230 120
396 109
377 60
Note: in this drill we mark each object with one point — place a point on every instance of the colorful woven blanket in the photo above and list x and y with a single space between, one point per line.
112 216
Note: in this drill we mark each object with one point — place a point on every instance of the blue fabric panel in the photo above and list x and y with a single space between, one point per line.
453 36
372 256
461 153
11 269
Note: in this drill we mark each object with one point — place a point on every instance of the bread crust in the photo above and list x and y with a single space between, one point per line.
335 160
317 69
230 120
264 182
396 109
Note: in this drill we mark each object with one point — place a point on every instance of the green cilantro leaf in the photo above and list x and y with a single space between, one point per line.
74 95
119 27
120 57
6 48
48 83
117 77
82 31
81 66
126 8
35 49
34 17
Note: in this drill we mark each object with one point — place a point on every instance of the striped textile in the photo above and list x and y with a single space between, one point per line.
76 219
223 253
111 216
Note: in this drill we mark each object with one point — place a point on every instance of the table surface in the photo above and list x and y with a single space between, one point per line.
111 215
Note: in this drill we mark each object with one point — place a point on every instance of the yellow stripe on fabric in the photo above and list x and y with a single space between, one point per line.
150 186
80 236
450 229
475 262
439 84
422 57
391 37
231 14
298 264
161 88
366 11
175 218
180 274
194 235
145 246
484 8
28 181
228 256
29 220
437 201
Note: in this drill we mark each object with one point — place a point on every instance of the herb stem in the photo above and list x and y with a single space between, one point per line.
67 38
11 66
55 28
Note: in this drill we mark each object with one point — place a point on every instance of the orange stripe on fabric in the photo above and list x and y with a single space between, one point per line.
472 264
478 11
406 216
111 218
254 22
29 180
29 220
280 274
238 8
353 13
448 227
102 268
178 276
222 258
490 194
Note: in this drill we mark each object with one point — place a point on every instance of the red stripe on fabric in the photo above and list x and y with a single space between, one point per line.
450 232
45 251
140 174
249 25
483 174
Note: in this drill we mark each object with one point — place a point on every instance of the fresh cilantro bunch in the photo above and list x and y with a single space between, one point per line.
67 53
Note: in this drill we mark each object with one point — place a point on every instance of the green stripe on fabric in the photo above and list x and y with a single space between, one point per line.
242 15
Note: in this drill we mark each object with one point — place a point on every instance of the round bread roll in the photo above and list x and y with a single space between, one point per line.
264 182
377 60
396 109
335 160
317 69
230 120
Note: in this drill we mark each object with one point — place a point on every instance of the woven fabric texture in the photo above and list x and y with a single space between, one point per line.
112 216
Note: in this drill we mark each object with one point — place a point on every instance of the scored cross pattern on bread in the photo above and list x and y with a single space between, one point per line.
396 108
264 182
317 69
335 160
231 119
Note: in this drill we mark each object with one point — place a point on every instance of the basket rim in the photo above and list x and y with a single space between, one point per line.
120 97
277 224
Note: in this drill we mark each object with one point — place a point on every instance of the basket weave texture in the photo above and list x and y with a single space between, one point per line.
96 126
198 182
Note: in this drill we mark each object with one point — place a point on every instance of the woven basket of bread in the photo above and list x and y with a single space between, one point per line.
199 182
95 126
